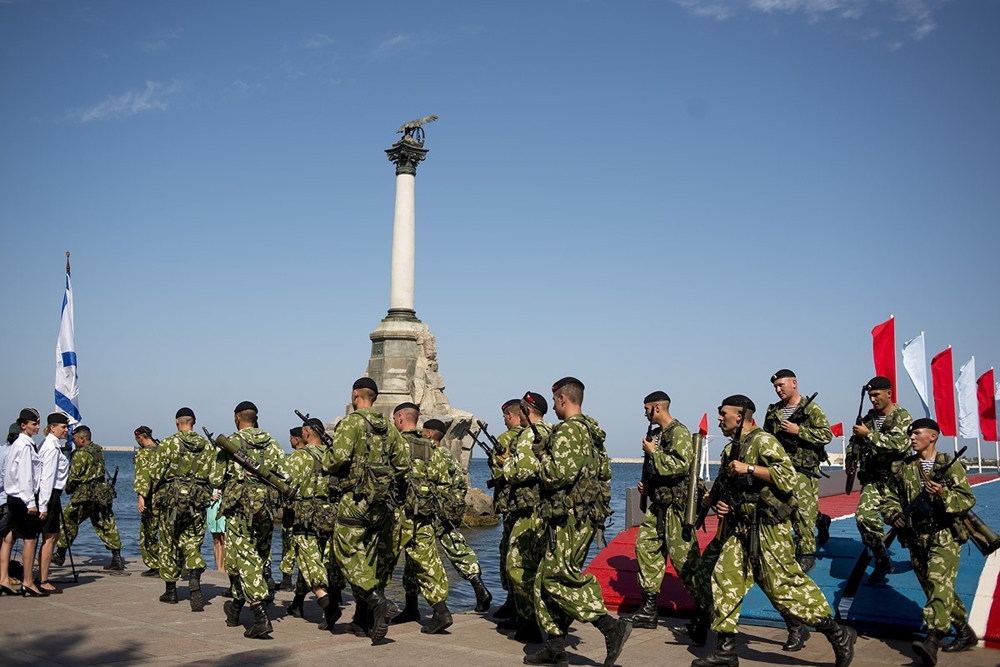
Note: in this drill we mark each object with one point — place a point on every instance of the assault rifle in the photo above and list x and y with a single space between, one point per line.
490 451
114 482
854 446
493 441
248 463
721 488
535 435
324 437
919 507
647 462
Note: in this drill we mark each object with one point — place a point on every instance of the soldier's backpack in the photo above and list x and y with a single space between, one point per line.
375 478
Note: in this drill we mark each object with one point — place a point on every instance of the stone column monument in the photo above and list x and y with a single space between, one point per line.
403 359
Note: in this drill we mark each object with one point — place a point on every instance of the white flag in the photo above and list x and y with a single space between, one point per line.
915 363
968 406
67 391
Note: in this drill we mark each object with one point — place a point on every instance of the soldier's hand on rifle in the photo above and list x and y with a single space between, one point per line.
790 427
642 488
933 488
898 521
648 445
142 505
721 508
861 430
737 468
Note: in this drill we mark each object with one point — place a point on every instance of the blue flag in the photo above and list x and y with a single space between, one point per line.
67 392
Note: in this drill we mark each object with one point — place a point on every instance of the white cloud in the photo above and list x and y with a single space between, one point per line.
158 41
317 41
391 44
153 97
151 45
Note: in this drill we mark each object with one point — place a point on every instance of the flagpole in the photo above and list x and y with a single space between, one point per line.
979 452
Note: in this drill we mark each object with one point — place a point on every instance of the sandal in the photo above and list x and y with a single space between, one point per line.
53 590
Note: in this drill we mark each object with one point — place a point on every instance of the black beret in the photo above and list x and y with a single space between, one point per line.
878 382
406 406
144 430
923 422
436 425
29 415
245 405
783 373
739 401
508 404
537 401
57 418
365 383
188 412
565 381
296 431
656 397
315 424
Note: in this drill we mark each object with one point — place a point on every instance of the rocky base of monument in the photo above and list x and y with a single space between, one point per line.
479 509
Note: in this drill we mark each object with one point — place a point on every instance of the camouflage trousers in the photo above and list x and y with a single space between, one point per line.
102 518
527 539
308 553
935 562
334 577
390 546
806 492
180 543
356 542
776 572
870 513
562 593
149 545
287 564
423 570
248 550
508 524
459 553
656 541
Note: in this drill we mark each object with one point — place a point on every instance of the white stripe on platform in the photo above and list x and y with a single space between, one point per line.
983 601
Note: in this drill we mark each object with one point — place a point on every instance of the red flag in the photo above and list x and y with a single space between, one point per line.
884 351
943 379
987 395
703 427
838 429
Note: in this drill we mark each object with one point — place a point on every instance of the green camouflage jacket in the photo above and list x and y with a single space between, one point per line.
807 449
669 467
757 447
350 443
143 461
242 492
454 486
882 448
575 471
305 469
186 455
522 468
906 484
87 466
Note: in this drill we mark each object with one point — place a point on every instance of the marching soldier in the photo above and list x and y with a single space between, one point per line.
754 497
662 533
248 505
527 535
501 492
92 497
573 469
370 454
287 564
934 533
149 546
184 470
882 440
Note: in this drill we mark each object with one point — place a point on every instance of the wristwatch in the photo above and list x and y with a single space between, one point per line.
750 469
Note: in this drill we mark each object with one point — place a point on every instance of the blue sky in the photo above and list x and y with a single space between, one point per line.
680 195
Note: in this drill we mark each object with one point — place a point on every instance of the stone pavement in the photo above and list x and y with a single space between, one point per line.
117 620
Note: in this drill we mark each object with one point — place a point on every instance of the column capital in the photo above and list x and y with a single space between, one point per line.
406 156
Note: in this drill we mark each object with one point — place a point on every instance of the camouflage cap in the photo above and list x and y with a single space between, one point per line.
923 422
656 397
878 382
783 373
537 401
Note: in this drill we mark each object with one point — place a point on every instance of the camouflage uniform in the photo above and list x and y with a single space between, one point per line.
575 472
361 516
248 505
501 495
456 549
527 535
86 477
934 541
728 563
287 564
807 451
149 547
881 448
312 516
662 532
184 469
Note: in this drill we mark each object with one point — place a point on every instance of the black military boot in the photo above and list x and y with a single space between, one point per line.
483 596
296 607
529 633
272 585
725 653
927 649
965 638
698 628
553 653
616 632
170 594
286 583
506 610
883 565
646 615
194 590
337 596
823 529
359 624
117 562
842 639
806 562
59 557
151 572
331 612
797 634
410 613
233 609
439 621
378 608
261 623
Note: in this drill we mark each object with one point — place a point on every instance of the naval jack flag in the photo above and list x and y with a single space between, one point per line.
67 392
